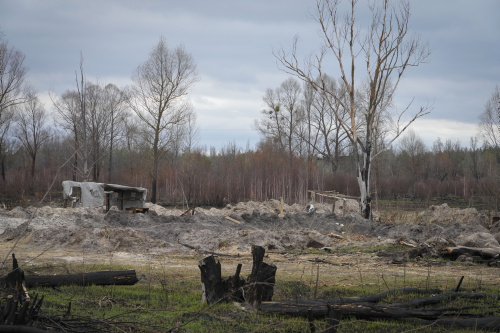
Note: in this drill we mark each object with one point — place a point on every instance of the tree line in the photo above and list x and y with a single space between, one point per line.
317 132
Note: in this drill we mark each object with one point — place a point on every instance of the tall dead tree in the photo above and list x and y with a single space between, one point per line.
31 122
158 97
13 91
383 50
81 87
114 105
489 126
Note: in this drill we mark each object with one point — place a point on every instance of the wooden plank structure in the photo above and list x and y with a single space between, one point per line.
331 195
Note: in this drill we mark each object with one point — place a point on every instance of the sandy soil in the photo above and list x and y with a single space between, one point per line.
67 234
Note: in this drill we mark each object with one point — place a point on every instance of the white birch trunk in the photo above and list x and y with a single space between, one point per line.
363 178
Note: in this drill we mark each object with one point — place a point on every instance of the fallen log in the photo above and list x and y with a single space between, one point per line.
299 308
104 278
20 329
369 308
483 252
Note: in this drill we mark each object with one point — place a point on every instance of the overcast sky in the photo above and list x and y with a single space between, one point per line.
232 43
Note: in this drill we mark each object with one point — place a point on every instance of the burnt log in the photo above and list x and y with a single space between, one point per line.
369 308
104 278
20 329
256 288
484 252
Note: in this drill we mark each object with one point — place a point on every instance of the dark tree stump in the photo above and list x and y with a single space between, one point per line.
13 284
261 280
16 307
211 280
215 288
257 288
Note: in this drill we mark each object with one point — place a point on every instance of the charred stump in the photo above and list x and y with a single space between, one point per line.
261 280
13 283
256 288
16 307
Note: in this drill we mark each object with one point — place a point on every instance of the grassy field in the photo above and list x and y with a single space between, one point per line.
168 296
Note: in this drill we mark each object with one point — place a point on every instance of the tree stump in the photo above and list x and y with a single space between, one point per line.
261 280
16 307
258 287
13 283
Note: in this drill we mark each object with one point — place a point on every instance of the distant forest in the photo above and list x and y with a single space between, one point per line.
146 135
412 171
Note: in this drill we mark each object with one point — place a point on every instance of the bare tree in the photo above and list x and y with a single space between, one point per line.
13 91
387 51
331 139
158 97
442 165
101 116
12 75
131 142
412 149
475 160
191 135
67 107
83 136
283 116
31 119
115 107
5 122
489 126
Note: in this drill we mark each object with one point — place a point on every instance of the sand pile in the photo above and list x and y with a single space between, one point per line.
164 231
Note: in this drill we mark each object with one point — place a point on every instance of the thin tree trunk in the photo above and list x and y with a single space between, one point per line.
154 178
110 163
3 168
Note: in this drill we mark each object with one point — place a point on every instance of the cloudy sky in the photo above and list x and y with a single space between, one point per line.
232 42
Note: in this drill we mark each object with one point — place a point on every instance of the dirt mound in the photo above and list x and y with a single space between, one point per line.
445 215
164 230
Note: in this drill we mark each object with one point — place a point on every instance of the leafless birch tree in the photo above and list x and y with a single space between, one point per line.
330 139
31 119
283 116
489 126
158 97
67 107
5 123
114 105
13 91
383 50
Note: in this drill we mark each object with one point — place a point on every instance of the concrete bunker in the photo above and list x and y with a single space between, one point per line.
89 194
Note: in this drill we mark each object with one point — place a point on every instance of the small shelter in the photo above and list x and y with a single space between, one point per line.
89 194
